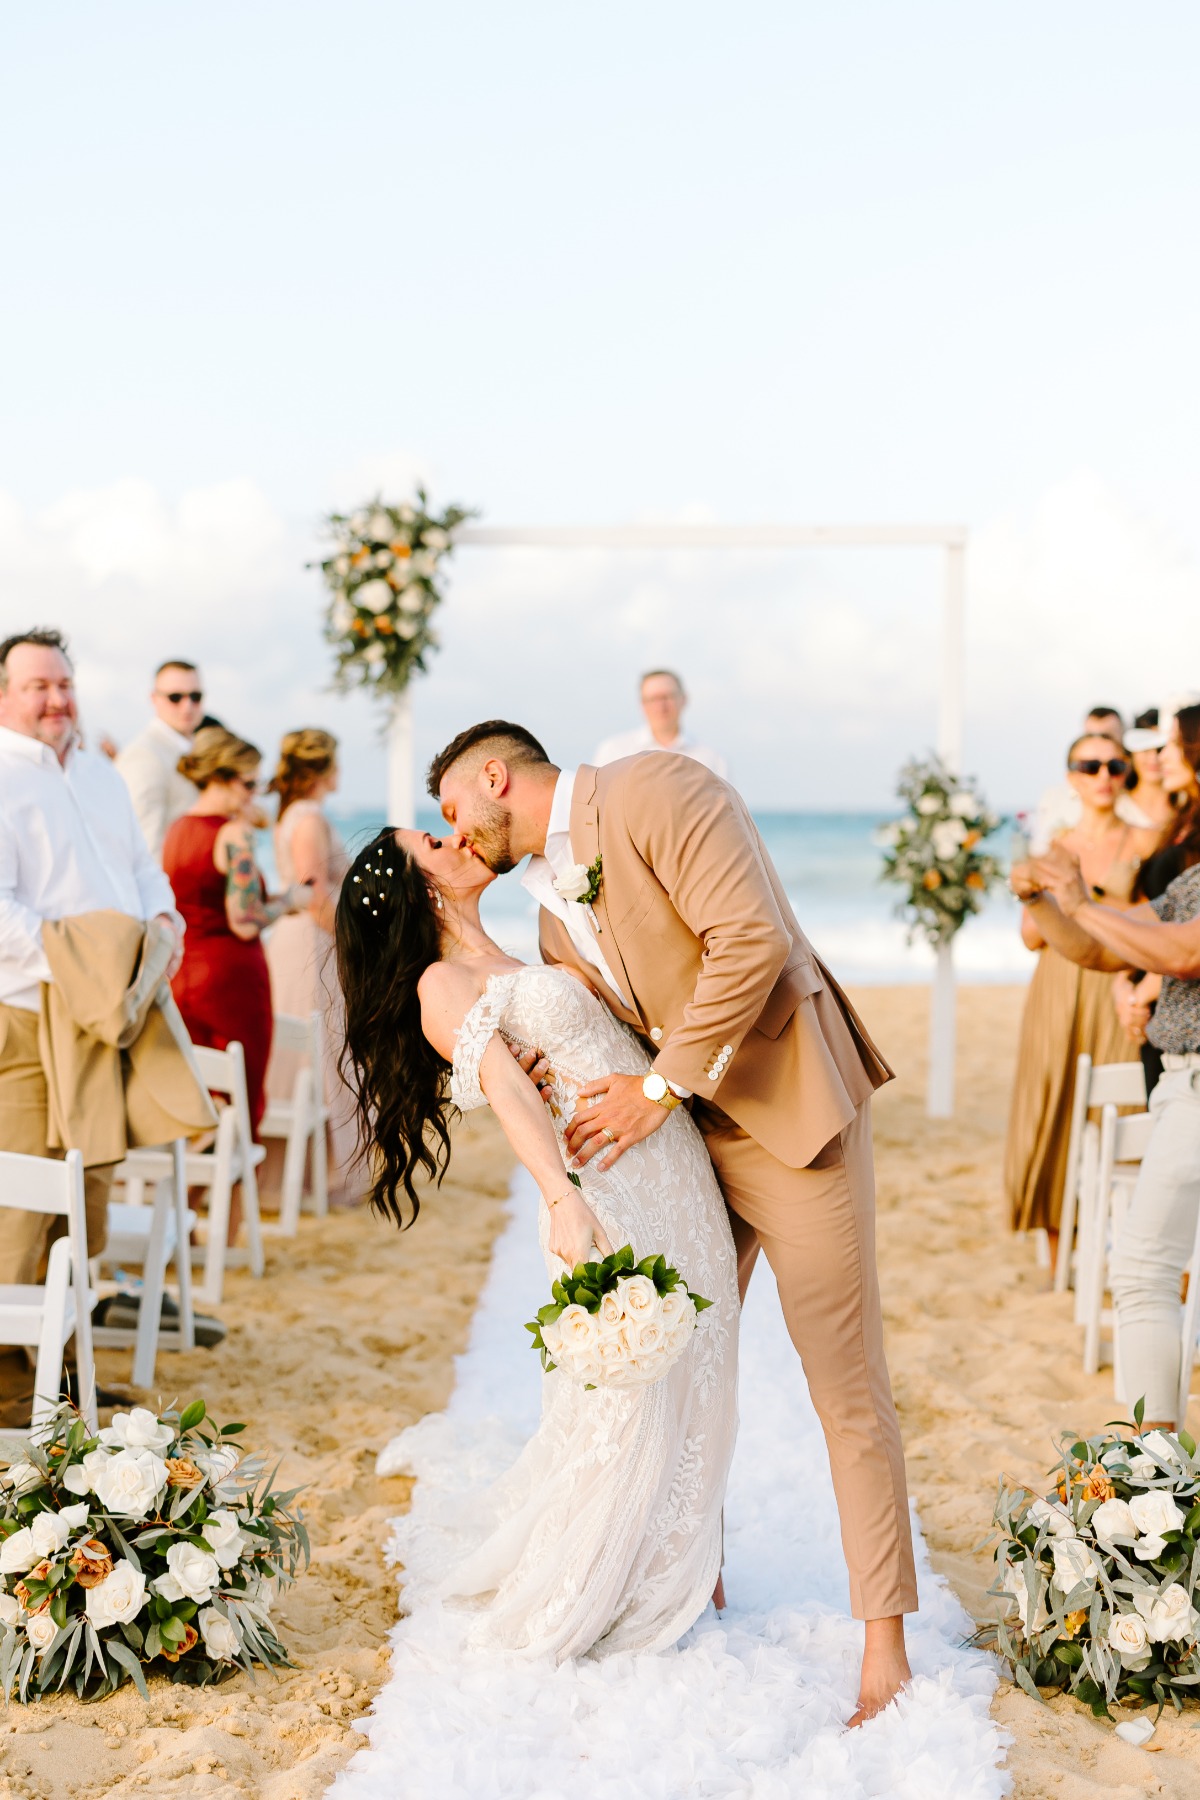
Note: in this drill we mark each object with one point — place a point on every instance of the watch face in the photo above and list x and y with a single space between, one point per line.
654 1087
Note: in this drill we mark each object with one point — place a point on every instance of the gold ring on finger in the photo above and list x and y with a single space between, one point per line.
609 1133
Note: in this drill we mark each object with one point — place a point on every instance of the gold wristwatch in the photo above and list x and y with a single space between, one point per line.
655 1088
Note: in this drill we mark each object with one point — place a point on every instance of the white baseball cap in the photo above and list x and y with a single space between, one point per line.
1153 737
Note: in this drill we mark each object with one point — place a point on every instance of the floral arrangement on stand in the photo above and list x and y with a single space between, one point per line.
617 1323
1102 1572
382 575
936 853
155 1546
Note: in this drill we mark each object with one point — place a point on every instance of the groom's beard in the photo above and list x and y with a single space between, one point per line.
491 838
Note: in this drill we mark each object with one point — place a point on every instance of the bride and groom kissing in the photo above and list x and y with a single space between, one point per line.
682 1074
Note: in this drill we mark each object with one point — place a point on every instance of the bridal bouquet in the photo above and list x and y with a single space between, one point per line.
382 574
155 1545
1102 1572
617 1323
936 853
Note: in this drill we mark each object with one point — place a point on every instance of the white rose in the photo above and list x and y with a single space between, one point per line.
947 835
676 1306
80 1478
676 1340
374 655
41 1631
118 1599
929 804
379 527
192 1574
1113 1520
342 615
1055 1518
639 1297
435 537
1127 1635
375 595
1014 1584
50 1532
1155 1513
408 628
610 1353
963 805
406 514
1168 1615
218 1464
220 1638
382 559
611 1315
359 522
130 1482
412 601
888 836
23 1478
577 1329
10 1610
574 882
1143 1468
552 1339
137 1430
423 563
223 1536
19 1553
341 565
646 1339
1073 1563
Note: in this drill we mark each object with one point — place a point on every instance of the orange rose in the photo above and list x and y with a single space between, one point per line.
400 549
932 879
384 627
39 1572
1098 1486
971 839
359 558
975 880
183 1473
191 1637
94 1567
1074 1621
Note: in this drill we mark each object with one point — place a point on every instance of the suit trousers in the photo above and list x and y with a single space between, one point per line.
25 1236
816 1227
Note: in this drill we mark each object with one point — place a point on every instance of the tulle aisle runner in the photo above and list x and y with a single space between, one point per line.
749 1706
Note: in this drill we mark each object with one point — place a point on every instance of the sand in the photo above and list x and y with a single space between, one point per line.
351 1336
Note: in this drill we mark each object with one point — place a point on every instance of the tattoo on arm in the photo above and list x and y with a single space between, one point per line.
243 891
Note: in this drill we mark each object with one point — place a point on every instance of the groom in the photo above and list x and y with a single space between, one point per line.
655 885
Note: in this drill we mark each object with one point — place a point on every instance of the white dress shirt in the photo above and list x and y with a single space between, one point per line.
636 743
160 793
69 843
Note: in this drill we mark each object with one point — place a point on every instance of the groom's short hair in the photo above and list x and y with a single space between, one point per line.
495 737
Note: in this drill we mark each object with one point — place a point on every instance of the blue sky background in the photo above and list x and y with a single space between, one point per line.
831 264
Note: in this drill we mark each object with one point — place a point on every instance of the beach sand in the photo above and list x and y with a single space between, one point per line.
352 1334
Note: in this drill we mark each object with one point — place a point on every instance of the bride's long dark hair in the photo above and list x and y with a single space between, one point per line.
387 935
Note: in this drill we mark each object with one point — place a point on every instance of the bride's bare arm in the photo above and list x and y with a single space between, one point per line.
446 996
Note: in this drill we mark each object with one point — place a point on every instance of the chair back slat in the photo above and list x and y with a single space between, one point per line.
292 1034
40 1184
1117 1084
1131 1137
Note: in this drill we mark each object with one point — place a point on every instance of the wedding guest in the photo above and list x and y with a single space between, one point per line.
1135 993
1069 1010
663 704
150 763
1058 808
1156 1239
223 988
309 851
1150 801
69 844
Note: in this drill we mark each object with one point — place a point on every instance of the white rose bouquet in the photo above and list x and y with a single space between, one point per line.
617 1323
936 852
156 1545
1103 1572
382 575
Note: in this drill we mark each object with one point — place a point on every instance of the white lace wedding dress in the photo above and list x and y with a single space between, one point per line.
606 1533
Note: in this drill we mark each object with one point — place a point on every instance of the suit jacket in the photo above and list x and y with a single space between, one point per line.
695 925
160 793
116 1054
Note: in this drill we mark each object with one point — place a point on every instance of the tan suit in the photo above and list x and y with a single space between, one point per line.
694 923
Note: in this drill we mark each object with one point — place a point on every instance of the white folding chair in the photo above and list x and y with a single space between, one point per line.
1123 1143
50 1316
152 1236
1115 1084
300 1121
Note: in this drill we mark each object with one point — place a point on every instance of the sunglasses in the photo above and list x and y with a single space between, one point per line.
195 696
1091 765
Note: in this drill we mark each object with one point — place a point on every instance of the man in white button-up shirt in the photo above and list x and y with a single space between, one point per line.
69 843
663 702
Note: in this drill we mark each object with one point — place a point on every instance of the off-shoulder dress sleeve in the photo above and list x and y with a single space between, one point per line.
474 1035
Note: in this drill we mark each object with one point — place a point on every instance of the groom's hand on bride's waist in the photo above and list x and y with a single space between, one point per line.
612 1115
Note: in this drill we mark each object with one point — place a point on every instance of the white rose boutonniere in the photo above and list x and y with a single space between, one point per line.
579 882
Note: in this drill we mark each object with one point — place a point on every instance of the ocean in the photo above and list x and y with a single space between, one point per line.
830 867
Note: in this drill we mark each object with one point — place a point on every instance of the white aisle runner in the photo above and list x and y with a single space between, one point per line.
749 1706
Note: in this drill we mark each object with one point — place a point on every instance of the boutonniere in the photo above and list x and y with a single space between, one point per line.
578 882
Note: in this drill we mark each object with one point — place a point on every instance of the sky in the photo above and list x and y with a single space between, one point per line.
785 263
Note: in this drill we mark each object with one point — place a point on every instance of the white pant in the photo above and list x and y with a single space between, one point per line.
1155 1247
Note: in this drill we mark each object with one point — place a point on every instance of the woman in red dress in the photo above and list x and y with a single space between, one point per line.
223 989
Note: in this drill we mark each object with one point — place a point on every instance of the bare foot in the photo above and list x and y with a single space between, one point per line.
884 1668
719 1593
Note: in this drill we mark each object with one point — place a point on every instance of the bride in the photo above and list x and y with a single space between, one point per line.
606 1533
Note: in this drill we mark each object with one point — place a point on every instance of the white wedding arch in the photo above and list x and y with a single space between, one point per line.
951 539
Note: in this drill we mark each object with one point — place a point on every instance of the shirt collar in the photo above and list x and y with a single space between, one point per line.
169 735
18 743
559 823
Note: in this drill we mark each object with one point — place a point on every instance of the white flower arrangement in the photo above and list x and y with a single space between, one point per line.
1104 1573
166 1562
617 1323
936 852
382 575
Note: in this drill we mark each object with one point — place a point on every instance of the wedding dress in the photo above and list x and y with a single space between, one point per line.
605 1535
